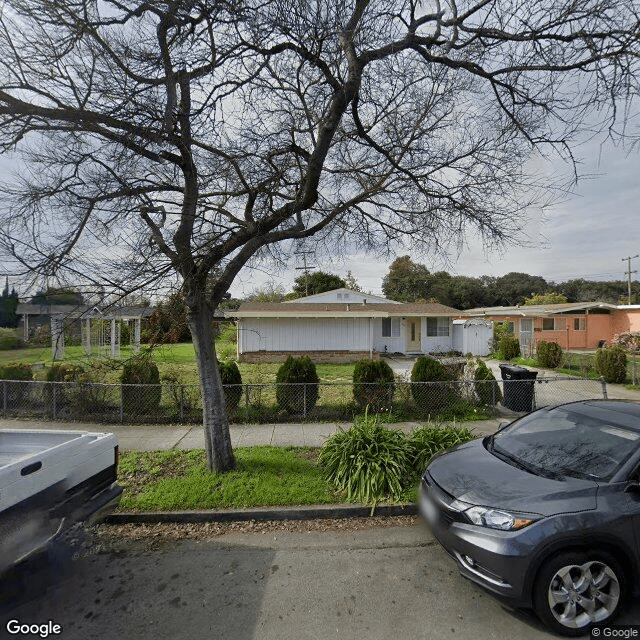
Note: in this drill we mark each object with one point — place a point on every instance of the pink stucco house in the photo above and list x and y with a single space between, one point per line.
574 326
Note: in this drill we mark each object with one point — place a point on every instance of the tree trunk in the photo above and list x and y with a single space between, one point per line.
216 427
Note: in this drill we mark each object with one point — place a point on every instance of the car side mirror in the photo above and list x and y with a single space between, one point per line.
633 485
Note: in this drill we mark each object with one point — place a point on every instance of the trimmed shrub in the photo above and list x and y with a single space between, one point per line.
9 339
16 371
16 389
62 394
433 395
297 385
368 461
427 369
232 385
487 389
373 385
508 347
611 364
432 389
64 372
549 354
141 390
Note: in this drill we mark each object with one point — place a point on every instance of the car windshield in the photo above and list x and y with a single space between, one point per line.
579 441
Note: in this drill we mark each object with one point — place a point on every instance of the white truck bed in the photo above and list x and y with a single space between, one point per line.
49 480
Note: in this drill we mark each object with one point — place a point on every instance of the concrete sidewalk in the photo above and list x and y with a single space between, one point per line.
165 437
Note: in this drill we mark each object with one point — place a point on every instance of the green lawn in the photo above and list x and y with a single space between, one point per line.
176 360
265 476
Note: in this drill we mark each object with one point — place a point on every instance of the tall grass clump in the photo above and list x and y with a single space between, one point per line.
368 461
425 442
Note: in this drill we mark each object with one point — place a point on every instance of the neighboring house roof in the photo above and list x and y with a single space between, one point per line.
538 309
298 309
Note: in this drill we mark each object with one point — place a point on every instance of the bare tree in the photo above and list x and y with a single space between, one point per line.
188 136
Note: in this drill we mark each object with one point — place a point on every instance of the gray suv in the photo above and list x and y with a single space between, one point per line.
546 512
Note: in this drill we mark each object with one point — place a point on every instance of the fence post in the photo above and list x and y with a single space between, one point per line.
4 394
493 392
604 388
304 392
122 403
53 397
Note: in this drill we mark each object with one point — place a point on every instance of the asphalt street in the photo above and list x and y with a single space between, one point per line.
371 585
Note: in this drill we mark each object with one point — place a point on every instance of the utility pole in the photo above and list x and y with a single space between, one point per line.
628 273
306 269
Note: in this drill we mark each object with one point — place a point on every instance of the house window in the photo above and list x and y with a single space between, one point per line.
554 324
390 327
437 327
339 296
579 324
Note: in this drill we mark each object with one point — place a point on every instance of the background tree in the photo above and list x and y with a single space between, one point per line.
512 288
545 298
269 292
351 283
309 284
62 295
8 306
168 323
406 281
177 137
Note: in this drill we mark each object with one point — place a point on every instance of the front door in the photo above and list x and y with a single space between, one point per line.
526 337
414 342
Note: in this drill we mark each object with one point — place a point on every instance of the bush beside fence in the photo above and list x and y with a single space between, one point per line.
97 402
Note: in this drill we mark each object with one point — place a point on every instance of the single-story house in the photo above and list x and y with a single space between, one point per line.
341 326
579 325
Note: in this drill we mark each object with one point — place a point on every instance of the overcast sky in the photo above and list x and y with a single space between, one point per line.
587 235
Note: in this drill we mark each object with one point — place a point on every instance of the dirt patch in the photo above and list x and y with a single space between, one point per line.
203 531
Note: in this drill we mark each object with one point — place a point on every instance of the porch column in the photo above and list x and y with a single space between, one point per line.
25 326
371 338
113 338
136 334
86 334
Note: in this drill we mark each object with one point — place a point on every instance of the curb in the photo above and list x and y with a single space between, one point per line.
278 513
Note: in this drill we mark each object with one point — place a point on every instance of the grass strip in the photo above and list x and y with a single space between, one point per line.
264 476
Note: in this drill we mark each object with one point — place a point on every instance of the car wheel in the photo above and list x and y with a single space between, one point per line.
574 591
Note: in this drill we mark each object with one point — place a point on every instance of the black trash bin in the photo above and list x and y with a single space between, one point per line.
518 387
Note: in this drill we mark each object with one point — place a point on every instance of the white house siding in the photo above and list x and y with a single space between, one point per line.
303 334
436 344
387 344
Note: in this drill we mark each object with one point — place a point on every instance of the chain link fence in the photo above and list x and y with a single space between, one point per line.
172 402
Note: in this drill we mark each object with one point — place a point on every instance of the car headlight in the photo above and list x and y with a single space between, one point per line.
497 519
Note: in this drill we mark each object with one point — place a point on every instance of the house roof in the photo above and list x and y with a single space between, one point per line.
339 309
355 296
538 309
